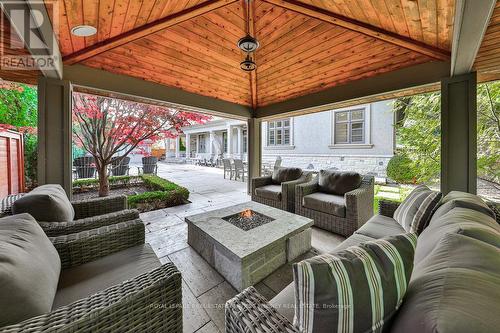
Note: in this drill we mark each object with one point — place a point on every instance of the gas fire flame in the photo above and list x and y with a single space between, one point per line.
247 213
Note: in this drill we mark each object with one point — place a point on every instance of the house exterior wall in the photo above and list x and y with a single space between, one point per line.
312 142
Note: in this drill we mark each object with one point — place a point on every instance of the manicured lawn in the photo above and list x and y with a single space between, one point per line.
394 193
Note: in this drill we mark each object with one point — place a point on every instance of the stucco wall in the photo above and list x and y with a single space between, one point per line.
312 145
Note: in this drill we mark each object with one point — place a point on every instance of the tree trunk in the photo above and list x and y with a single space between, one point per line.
103 181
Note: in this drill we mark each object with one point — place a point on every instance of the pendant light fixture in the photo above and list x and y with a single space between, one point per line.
248 44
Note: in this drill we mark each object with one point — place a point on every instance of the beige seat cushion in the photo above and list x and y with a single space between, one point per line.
284 302
47 203
326 203
29 269
271 192
380 226
85 280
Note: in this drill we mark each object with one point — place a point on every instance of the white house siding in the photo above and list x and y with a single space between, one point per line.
312 143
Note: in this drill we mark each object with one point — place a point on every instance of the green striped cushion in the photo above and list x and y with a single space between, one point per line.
416 210
353 290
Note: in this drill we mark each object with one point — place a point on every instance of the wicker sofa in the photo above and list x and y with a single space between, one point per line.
456 263
278 190
81 215
341 214
110 281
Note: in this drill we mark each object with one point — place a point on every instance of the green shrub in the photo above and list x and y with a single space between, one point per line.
400 169
113 180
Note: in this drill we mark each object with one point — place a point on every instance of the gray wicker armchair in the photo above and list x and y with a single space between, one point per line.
357 207
250 312
281 196
148 302
91 214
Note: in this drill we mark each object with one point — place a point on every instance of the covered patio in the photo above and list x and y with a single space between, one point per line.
311 56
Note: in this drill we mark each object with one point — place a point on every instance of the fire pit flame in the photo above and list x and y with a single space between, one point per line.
247 213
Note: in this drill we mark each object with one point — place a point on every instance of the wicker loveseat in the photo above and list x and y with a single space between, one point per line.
79 215
340 213
278 190
107 280
456 264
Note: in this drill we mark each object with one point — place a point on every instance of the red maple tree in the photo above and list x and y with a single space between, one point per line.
109 128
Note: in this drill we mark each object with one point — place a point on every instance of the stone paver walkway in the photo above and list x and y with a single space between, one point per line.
204 290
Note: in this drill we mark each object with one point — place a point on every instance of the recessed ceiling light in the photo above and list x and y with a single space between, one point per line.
83 30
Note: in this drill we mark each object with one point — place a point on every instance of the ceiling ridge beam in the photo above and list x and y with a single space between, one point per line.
360 27
145 30
253 74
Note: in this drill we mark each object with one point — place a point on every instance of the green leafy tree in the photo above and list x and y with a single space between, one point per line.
418 133
18 108
488 131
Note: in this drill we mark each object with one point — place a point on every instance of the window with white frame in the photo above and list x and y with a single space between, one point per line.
350 126
279 132
202 144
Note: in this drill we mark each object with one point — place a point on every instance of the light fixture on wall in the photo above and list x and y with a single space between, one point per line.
83 30
248 44
248 64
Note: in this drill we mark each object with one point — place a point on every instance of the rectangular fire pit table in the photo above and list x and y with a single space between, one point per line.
245 257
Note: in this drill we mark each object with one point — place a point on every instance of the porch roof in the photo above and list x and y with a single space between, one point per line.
309 50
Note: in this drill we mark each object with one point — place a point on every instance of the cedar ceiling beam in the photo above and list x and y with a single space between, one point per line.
369 89
145 30
366 29
108 82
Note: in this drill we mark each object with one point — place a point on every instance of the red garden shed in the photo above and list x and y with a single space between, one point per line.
11 163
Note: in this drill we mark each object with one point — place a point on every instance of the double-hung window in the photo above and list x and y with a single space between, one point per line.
350 126
279 132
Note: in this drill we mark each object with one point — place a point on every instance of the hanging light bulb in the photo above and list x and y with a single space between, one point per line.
248 64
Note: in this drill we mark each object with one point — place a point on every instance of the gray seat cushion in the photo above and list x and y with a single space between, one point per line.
381 226
326 203
459 199
455 289
353 240
29 269
459 220
282 174
47 203
338 183
271 192
85 280
284 302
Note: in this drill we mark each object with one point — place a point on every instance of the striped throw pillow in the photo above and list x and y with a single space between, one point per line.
416 210
353 290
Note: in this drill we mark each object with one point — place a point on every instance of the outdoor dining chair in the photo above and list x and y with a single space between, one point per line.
239 170
226 162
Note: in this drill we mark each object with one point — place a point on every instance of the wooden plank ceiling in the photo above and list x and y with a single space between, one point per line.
305 45
11 45
488 58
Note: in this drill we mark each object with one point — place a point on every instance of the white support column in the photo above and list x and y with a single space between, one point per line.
54 133
211 143
177 146
229 140
240 141
188 145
